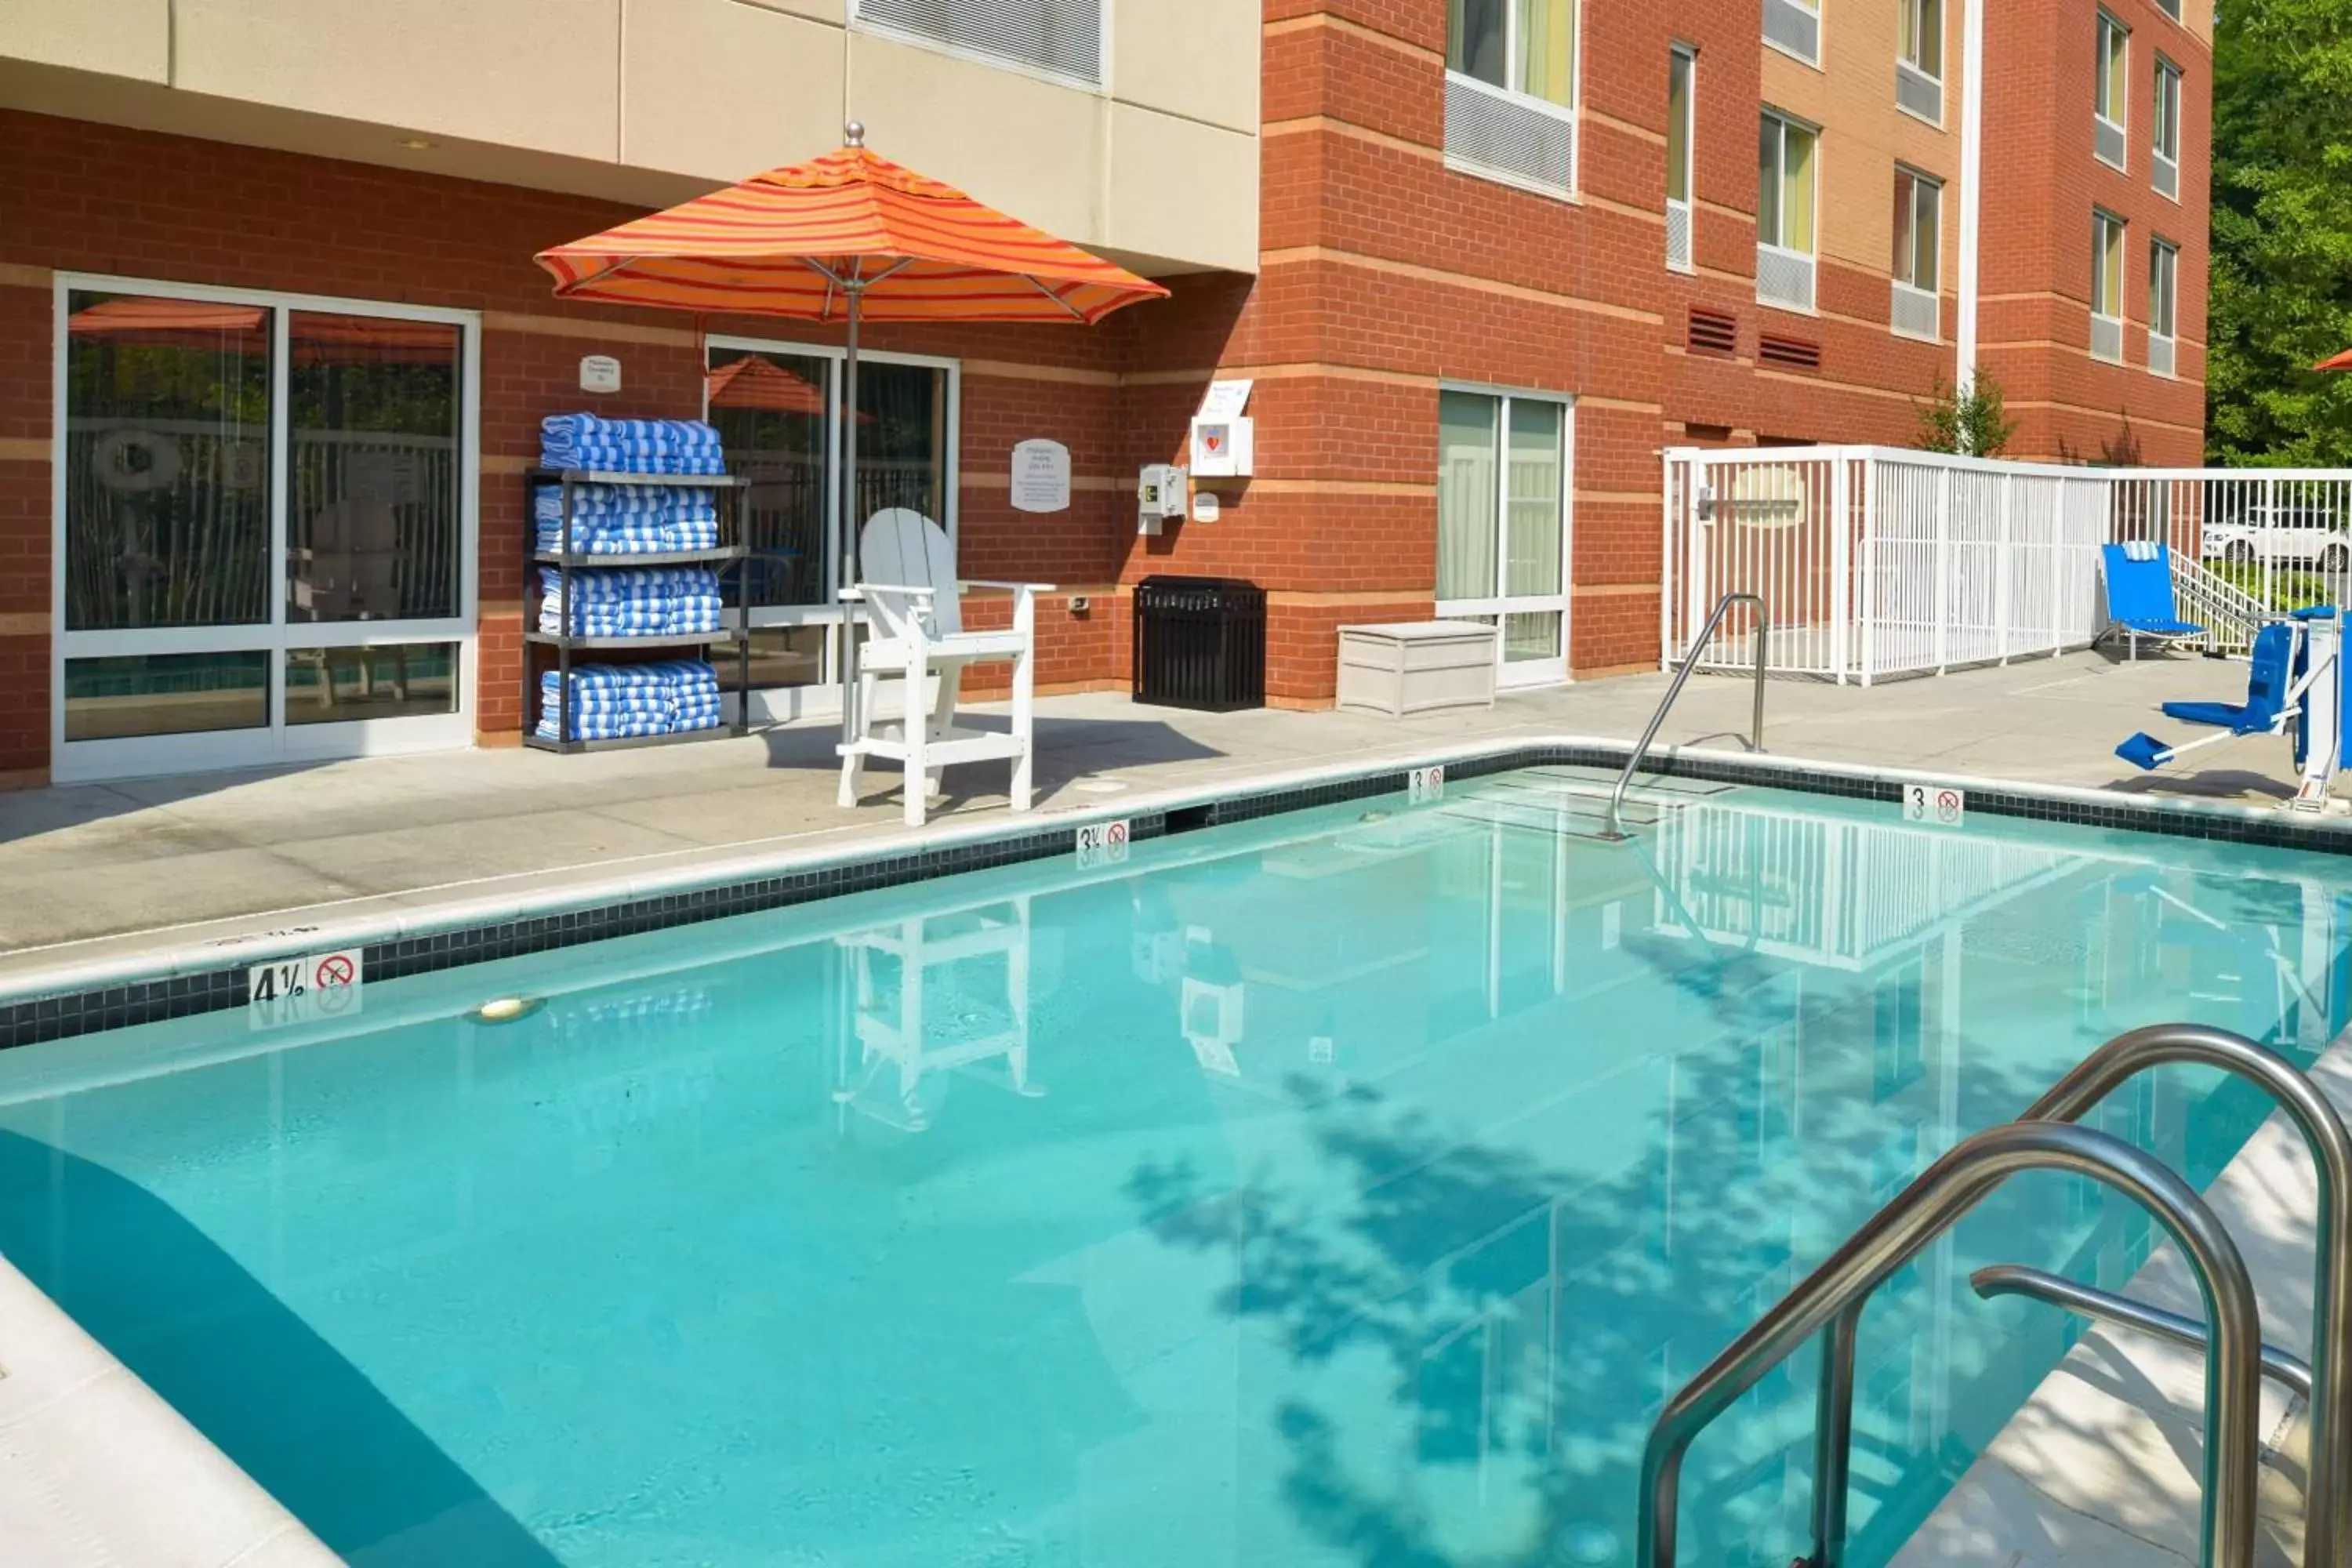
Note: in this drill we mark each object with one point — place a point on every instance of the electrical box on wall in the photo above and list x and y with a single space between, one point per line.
1223 448
1159 496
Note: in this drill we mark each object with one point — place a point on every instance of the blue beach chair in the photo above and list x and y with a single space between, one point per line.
2140 594
2265 712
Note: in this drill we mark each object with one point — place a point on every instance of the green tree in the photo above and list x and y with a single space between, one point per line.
2282 289
1973 424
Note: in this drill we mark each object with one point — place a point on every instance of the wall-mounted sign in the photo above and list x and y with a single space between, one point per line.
1041 475
1226 399
1204 506
600 372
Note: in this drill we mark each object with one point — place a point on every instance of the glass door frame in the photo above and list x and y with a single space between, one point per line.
784 704
1510 673
278 743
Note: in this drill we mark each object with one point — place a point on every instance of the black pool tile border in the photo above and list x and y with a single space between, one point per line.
34 1019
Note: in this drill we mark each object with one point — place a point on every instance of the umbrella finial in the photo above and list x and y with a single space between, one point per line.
854 133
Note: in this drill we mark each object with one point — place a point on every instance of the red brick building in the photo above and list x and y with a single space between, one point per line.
1480 261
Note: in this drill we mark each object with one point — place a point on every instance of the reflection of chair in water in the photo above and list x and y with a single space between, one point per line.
935 992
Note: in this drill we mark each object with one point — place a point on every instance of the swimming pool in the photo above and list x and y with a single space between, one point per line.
1346 1188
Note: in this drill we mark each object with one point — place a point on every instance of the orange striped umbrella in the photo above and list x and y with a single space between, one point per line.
807 240
849 237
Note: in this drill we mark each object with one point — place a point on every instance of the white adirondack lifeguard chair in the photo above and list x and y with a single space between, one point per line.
911 593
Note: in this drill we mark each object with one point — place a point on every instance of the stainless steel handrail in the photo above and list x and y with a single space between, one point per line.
2289 1370
2327 1500
1830 1300
1616 828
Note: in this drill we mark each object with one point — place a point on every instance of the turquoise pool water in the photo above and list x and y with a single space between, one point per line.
1321 1191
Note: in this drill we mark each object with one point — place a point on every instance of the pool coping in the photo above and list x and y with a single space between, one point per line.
144 982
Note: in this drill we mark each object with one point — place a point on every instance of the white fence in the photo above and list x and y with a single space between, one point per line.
1877 560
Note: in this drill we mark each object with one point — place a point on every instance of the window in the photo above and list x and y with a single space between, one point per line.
2163 299
1919 59
1681 67
1502 524
774 404
1918 237
2165 166
1060 39
1510 91
1784 213
2109 109
1526 46
1794 27
269 519
2107 287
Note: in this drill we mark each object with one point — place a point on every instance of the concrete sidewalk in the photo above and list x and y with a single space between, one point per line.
84 863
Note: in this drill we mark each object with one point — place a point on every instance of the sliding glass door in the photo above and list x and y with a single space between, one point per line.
265 528
775 406
1502 525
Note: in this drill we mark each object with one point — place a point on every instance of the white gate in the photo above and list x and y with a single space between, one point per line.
1877 560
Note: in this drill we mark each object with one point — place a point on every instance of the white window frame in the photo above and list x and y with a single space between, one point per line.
822 700
279 742
2171 250
1908 67
2102 221
1534 671
1821 44
1688 55
1907 286
1812 258
1570 114
2099 72
1099 84
2165 117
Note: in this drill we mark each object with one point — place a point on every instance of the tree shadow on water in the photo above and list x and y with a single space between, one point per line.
246 1370
1528 1321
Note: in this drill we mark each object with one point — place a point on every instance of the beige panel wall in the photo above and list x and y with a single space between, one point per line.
117 38
1161 165
1863 135
524 76
1197 58
766 86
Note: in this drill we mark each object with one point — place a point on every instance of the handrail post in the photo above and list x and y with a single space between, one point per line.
1616 828
2327 1500
1941 1195
1834 1438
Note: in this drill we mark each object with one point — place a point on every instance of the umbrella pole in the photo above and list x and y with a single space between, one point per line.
850 729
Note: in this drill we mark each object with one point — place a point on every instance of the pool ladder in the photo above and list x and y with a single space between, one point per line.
1616 828
1829 1302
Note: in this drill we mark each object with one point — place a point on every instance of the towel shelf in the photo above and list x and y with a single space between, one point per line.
728 559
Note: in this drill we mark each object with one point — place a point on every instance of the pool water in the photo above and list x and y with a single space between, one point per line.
1346 1187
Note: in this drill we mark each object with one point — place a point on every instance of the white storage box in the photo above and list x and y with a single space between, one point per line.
1411 666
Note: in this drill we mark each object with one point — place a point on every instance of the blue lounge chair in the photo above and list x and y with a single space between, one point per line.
2266 710
2140 594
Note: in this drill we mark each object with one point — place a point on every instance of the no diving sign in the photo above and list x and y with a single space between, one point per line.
298 989
1103 844
1942 805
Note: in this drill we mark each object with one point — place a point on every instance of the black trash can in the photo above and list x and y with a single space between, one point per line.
1200 642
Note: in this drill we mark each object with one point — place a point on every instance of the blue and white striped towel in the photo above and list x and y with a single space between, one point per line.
2139 549
630 446
643 601
612 702
625 521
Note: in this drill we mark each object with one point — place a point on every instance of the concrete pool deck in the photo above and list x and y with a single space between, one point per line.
99 871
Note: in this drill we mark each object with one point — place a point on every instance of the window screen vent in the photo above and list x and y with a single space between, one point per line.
1058 37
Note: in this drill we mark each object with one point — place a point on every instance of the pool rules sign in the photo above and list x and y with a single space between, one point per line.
299 990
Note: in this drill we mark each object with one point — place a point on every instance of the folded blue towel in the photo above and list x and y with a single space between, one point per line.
623 701
630 446
644 601
2139 549
619 520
